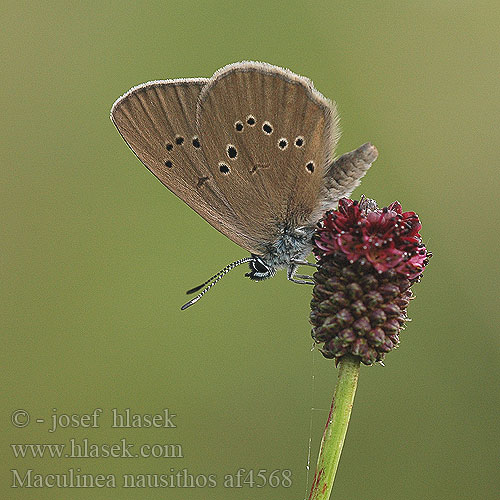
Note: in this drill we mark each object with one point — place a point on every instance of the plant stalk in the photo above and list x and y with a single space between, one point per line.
336 428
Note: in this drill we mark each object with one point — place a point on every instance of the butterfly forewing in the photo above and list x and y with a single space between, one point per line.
268 137
158 122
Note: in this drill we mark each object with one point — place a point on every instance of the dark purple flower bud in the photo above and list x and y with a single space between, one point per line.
391 326
369 282
347 336
376 336
377 317
354 291
338 300
389 290
362 326
321 292
386 346
358 308
391 310
373 298
344 318
321 334
334 284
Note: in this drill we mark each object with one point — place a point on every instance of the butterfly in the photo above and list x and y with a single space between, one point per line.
250 150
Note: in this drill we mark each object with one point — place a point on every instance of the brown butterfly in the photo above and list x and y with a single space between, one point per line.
250 150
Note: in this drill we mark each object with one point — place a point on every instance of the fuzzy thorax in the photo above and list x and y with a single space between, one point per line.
291 245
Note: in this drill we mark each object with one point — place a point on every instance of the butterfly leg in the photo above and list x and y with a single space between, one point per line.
303 276
291 273
301 282
305 263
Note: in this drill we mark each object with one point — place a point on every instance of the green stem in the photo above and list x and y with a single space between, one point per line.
336 428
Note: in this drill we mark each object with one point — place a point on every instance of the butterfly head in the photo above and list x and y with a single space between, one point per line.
259 270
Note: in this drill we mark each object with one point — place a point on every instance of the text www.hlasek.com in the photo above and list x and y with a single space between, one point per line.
86 449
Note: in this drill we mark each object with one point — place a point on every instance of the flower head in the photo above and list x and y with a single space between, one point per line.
387 238
368 260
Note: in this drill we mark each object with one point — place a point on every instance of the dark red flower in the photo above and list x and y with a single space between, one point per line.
368 260
388 238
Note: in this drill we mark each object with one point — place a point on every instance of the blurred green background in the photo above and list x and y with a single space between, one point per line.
96 254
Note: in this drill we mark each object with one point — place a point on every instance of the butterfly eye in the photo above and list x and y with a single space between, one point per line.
179 140
258 266
310 167
196 142
238 126
251 120
282 143
299 141
224 168
168 164
267 128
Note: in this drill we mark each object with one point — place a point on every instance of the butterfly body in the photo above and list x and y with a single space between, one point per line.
250 150
291 245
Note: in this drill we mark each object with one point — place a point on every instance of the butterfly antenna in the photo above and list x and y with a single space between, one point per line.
213 280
